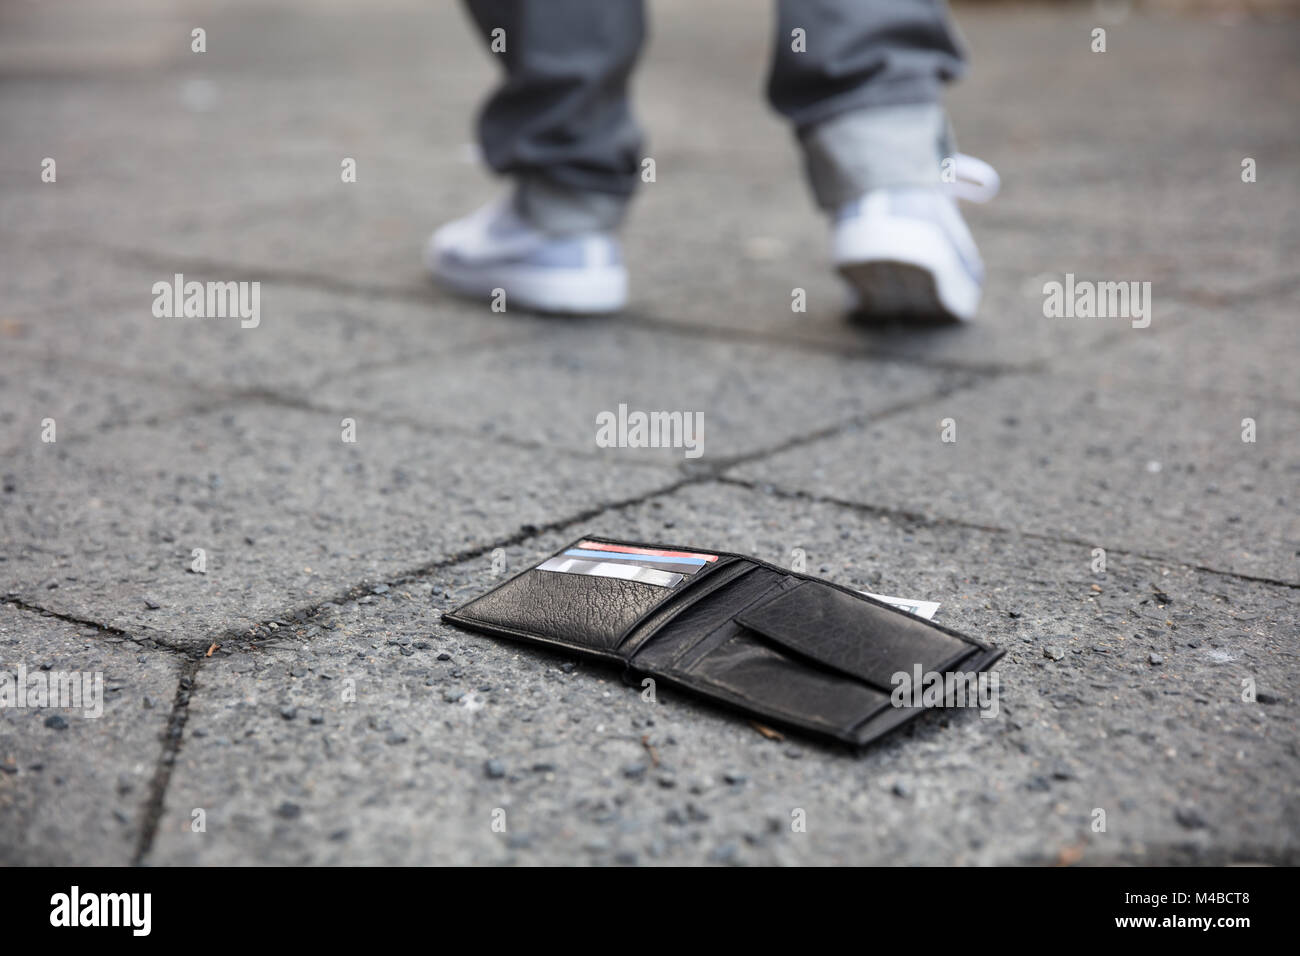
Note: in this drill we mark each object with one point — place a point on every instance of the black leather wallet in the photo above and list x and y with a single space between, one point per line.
780 646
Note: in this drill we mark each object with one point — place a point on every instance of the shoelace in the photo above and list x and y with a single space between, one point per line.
976 180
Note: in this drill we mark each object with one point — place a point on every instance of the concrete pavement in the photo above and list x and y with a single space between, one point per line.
298 700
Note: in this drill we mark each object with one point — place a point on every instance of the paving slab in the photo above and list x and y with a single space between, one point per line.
1236 351
1107 678
551 387
301 337
286 513
40 281
41 398
75 781
1098 458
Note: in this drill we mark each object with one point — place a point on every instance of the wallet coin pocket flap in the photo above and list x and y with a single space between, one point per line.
852 635
764 681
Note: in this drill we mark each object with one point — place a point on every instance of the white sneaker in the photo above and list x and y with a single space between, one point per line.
494 248
906 251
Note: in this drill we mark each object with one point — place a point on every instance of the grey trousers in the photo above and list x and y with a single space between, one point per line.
862 95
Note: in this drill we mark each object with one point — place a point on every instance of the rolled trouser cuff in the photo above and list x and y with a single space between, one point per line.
562 210
860 150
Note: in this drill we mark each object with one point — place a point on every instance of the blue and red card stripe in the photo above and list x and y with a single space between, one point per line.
633 556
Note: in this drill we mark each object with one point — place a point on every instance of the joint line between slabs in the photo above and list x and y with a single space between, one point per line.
919 518
152 809
105 629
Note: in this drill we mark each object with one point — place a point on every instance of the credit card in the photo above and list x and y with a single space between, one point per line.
683 565
925 609
611 569
645 552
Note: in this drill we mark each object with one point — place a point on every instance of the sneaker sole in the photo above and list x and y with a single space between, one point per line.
896 291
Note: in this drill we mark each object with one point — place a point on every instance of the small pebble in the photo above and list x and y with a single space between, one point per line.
1190 818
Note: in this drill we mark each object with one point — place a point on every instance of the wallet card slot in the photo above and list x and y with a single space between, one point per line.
589 612
852 635
652 623
669 636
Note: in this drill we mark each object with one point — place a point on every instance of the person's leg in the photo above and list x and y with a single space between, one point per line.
863 94
861 83
560 123
561 128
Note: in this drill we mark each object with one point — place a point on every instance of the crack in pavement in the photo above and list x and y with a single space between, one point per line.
144 642
921 519
173 737
698 476
695 476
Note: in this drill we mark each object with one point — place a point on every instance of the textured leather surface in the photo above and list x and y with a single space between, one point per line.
581 609
786 688
851 635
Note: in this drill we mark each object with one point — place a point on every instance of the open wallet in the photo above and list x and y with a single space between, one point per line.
780 646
